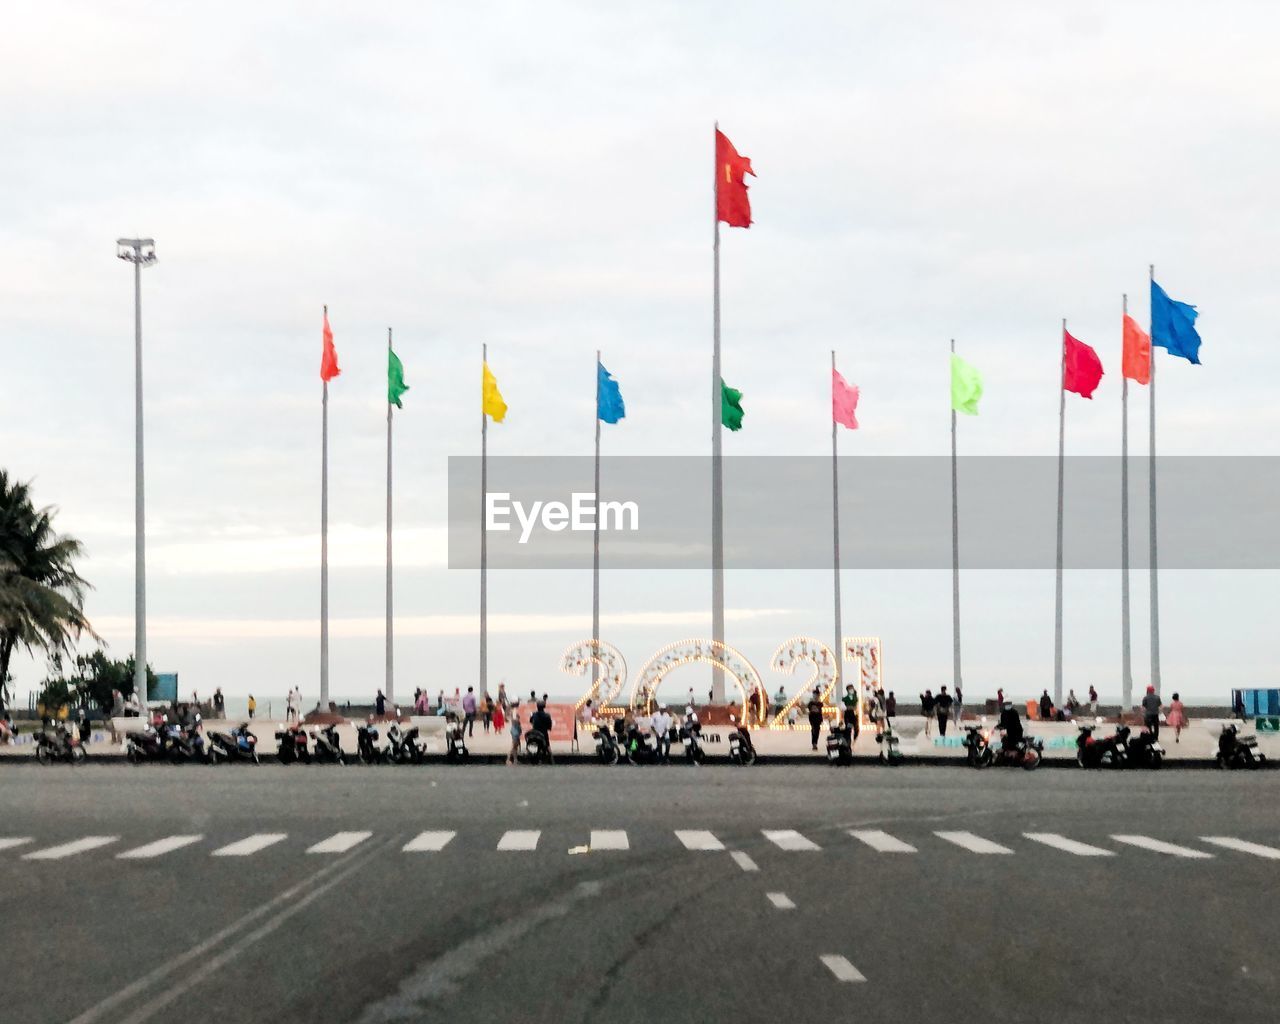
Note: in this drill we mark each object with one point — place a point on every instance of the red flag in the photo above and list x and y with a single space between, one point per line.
329 357
1082 368
1135 359
732 205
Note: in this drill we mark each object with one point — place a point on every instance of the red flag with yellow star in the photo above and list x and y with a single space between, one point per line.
732 205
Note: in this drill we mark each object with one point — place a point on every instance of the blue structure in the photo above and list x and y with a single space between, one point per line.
1256 703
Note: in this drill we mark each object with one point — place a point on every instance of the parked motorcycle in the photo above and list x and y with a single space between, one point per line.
326 746
607 749
186 743
455 740
368 748
238 744
1106 752
537 747
741 750
691 737
60 744
1026 753
291 744
147 745
402 745
1144 751
890 749
638 748
1236 751
839 744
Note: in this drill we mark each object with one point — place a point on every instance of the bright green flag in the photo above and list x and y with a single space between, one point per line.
731 412
966 386
395 379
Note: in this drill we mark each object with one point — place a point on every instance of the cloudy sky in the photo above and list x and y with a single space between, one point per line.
537 178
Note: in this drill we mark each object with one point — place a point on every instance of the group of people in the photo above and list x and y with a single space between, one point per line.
943 707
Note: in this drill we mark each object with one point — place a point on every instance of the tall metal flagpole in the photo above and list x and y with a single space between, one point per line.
717 478
838 648
1057 585
324 542
390 689
484 540
955 553
1155 584
1126 675
595 542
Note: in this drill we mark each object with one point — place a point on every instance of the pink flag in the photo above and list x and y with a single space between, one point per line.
844 400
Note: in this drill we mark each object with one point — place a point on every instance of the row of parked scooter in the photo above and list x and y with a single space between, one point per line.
1122 749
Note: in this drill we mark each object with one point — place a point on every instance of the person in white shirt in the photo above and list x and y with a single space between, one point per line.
660 726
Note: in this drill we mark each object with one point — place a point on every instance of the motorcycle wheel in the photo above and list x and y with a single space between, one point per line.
1031 759
700 757
1154 760
983 760
132 755
78 755
746 757
609 756
1080 759
42 753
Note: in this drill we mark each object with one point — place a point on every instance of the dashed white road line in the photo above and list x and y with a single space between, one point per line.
609 839
518 839
697 840
339 842
250 844
789 839
159 848
881 842
9 842
780 900
428 842
1240 846
841 968
972 843
72 848
1157 846
1069 845
743 861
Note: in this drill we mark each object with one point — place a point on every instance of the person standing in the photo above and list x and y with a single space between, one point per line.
515 733
1093 701
469 711
660 726
957 709
942 708
926 709
850 712
1177 718
380 704
499 716
891 706
1046 707
219 704
815 716
502 696
1151 712
486 709
253 706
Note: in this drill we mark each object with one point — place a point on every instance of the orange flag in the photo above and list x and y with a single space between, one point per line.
329 357
1135 359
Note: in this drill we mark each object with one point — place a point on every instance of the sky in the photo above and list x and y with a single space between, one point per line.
537 178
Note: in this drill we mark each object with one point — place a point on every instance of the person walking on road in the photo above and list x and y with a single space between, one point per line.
1151 712
469 711
926 709
1177 718
942 708
815 716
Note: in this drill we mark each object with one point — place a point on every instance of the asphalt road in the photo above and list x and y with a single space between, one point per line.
924 894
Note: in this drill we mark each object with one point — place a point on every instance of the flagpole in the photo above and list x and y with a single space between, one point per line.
955 553
1126 676
838 649
1155 584
717 478
484 540
390 689
1057 585
324 541
595 543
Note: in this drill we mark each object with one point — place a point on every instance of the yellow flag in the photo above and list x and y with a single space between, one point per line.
491 402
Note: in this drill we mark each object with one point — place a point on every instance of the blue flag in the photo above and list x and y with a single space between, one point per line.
609 404
1173 325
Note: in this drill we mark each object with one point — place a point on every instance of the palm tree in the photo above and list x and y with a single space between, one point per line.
41 594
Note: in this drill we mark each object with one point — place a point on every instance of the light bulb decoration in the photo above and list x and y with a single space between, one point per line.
609 682
789 656
704 652
868 653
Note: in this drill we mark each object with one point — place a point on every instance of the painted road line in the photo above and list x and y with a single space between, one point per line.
159 848
609 839
743 861
250 845
1240 846
1069 845
841 968
780 900
695 840
428 842
790 839
1155 845
881 842
9 842
972 843
71 849
519 840
340 842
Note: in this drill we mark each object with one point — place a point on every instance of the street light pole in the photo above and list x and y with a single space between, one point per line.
141 252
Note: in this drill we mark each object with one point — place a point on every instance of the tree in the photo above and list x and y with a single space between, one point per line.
41 594
97 677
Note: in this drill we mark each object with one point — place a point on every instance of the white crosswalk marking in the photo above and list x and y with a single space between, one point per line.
250 845
72 848
881 842
1155 845
697 840
1240 846
159 848
789 839
780 900
519 840
428 842
841 968
1069 845
743 861
608 839
339 842
972 843
9 842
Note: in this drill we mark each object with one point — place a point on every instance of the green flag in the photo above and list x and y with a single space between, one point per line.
395 379
731 412
966 386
